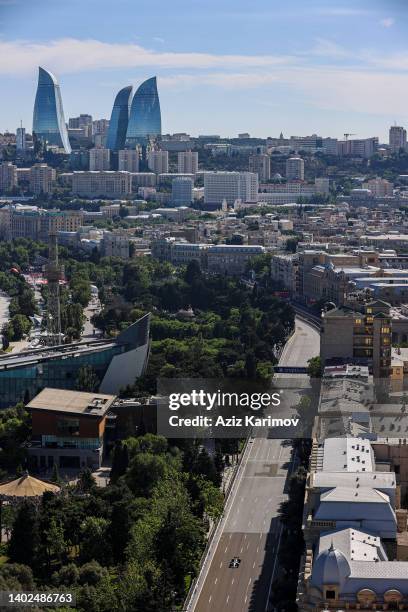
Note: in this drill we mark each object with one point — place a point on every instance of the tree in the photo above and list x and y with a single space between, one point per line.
315 367
87 379
120 461
25 539
193 272
54 541
95 540
86 481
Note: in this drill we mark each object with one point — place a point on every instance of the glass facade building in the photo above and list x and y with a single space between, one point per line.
118 123
116 362
145 116
48 120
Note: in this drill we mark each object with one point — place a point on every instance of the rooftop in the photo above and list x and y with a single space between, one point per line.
73 402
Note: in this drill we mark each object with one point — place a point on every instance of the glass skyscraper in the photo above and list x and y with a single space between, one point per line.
118 124
48 120
145 116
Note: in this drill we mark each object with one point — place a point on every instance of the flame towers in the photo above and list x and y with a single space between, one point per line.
145 116
118 124
48 120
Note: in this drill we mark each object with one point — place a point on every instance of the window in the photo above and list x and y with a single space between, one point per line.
68 427
330 594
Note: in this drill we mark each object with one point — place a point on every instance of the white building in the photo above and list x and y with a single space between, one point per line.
107 183
128 160
230 186
261 164
397 138
158 161
295 169
187 162
21 139
99 159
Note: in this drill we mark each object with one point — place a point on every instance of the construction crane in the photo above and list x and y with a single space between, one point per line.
347 134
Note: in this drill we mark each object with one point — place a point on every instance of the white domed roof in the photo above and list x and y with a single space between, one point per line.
330 567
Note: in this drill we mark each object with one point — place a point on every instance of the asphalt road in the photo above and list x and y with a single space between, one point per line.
250 528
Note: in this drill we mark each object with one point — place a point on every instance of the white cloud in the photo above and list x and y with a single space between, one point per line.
341 11
388 22
328 48
69 55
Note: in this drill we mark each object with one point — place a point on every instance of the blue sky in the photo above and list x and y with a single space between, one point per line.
223 66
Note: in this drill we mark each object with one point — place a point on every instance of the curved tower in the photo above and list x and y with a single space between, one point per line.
118 123
48 120
145 116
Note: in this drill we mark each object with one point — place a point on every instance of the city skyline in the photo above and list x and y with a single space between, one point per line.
222 68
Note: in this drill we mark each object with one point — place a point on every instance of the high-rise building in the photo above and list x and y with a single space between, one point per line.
20 139
182 191
145 116
261 164
99 159
230 186
158 161
42 178
360 147
8 176
398 138
118 123
100 126
83 122
48 119
129 160
295 169
187 162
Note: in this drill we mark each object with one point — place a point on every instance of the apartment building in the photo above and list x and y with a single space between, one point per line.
187 162
158 161
107 183
223 258
8 176
229 186
99 159
115 244
128 160
42 179
261 165
362 337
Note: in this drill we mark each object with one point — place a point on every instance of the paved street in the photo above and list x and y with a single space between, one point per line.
250 528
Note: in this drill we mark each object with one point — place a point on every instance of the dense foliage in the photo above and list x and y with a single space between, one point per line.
134 545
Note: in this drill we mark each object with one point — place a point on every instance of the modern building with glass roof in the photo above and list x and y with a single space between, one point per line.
118 123
117 362
145 115
48 120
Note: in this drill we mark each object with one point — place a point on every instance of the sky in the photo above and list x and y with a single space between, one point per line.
223 66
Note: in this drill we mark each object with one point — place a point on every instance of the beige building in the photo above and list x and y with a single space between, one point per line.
158 161
187 162
8 176
295 169
359 337
42 179
128 160
99 159
108 184
261 165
